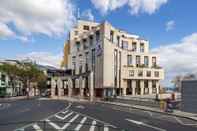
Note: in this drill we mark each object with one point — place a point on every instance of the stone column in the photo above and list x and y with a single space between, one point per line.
53 85
59 86
70 87
141 87
82 85
91 90
150 87
157 86
133 86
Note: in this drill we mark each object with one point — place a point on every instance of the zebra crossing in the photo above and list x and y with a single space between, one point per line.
69 120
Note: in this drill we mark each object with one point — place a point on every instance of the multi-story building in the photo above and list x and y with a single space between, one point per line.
121 63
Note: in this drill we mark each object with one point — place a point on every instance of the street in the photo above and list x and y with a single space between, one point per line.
85 116
24 111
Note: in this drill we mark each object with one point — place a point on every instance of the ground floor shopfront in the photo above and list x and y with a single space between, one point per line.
141 87
84 86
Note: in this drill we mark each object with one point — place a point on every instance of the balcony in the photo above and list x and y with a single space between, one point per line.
131 72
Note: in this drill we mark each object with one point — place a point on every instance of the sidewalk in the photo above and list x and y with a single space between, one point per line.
14 98
177 113
72 99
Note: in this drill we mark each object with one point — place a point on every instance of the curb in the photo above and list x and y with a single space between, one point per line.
12 99
133 106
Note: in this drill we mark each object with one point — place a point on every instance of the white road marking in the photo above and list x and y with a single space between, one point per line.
81 124
64 112
135 122
80 107
105 123
144 124
150 113
181 122
53 124
93 126
23 127
36 127
69 122
106 128
63 118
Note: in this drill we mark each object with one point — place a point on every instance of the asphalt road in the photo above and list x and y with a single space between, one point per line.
17 113
135 120
61 115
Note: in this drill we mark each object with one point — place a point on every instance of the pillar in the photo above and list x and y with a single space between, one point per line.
150 87
133 86
60 87
141 87
53 85
70 87
157 86
91 90
82 85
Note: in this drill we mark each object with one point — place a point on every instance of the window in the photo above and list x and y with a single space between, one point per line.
74 64
93 58
131 73
124 44
115 67
111 36
154 63
80 60
118 40
148 73
141 47
138 61
91 40
85 27
146 90
87 59
93 27
134 46
129 60
97 36
154 90
76 32
120 62
78 45
80 69
140 73
3 78
85 46
156 73
146 61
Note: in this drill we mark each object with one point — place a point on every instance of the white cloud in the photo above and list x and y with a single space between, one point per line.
5 31
135 6
178 58
43 58
48 17
108 5
87 15
170 25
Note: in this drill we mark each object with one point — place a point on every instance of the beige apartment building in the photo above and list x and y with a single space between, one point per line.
107 61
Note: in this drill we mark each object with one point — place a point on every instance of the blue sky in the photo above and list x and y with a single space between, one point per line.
167 24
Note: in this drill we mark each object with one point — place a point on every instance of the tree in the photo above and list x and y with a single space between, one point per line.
30 74
27 73
12 71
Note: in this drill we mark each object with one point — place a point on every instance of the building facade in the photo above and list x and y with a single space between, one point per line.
110 61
